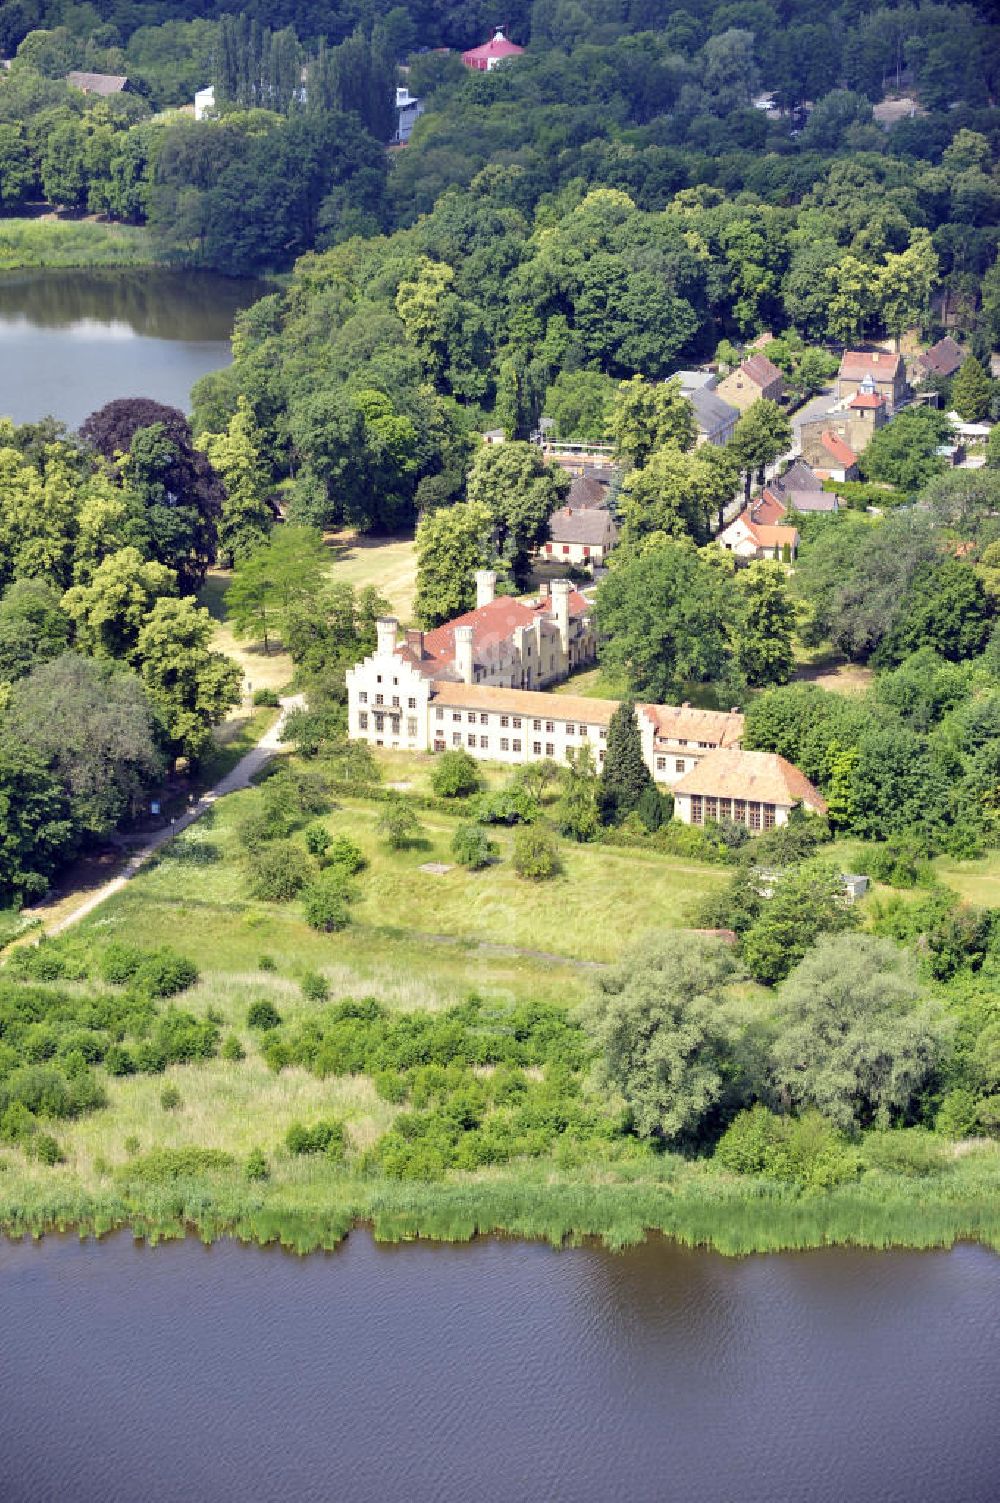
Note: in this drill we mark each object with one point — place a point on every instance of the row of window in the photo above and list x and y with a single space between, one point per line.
411 703
394 723
749 812
679 764
515 721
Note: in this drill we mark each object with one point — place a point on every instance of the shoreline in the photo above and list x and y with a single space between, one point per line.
28 244
751 1219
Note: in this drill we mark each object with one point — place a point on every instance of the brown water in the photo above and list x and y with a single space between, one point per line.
73 340
496 1371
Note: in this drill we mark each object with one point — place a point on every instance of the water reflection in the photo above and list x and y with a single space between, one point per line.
496 1371
72 340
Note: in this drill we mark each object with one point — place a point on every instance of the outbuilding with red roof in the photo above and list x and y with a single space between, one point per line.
485 58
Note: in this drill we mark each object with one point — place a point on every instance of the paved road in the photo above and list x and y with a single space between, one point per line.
241 776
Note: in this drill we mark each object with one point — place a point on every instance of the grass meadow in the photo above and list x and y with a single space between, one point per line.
71 243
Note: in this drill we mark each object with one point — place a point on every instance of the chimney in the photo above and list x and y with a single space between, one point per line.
486 586
415 639
559 593
386 628
463 654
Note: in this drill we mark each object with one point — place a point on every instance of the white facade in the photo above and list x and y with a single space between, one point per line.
204 102
756 814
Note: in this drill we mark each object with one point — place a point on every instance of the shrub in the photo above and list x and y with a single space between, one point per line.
150 1058
536 855
257 1168
345 855
46 1150
278 871
455 775
119 963
508 806
472 847
325 902
181 1036
315 988
118 1060
323 1137
958 1114
399 826
807 1151
267 963
232 1049
266 698
173 1163
170 1098
911 1151
318 838
164 973
263 1014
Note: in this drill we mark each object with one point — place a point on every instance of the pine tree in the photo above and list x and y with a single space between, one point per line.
625 776
971 391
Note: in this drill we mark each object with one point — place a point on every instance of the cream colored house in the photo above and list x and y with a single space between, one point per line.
750 538
756 789
392 703
579 537
757 377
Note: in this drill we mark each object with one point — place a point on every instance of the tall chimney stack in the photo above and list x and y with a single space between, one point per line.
463 654
559 593
486 586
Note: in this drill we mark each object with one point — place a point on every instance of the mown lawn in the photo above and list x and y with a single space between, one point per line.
976 881
390 564
262 670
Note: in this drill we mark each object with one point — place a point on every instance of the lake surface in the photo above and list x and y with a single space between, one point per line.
72 340
496 1371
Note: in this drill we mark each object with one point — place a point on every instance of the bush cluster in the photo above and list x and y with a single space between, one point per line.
326 1137
806 1151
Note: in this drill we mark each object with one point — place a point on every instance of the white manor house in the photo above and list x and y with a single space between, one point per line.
470 684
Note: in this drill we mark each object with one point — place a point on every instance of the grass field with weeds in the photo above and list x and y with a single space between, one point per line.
71 243
390 564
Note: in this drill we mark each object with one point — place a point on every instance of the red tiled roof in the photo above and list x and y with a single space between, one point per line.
855 365
682 722
497 46
767 508
867 399
834 444
491 624
755 775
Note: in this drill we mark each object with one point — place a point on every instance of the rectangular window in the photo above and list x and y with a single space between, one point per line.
505 720
550 727
679 764
378 678
484 742
379 722
517 744
571 729
536 725
754 816
456 715
411 725
471 740
505 743
536 747
725 808
394 722
768 816
711 808
740 810
661 764
516 722
484 720
395 683
600 756
395 701
456 738
604 735
550 750
471 717
380 699
584 730
440 714
697 815
363 697
363 720
565 547
411 703
568 753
